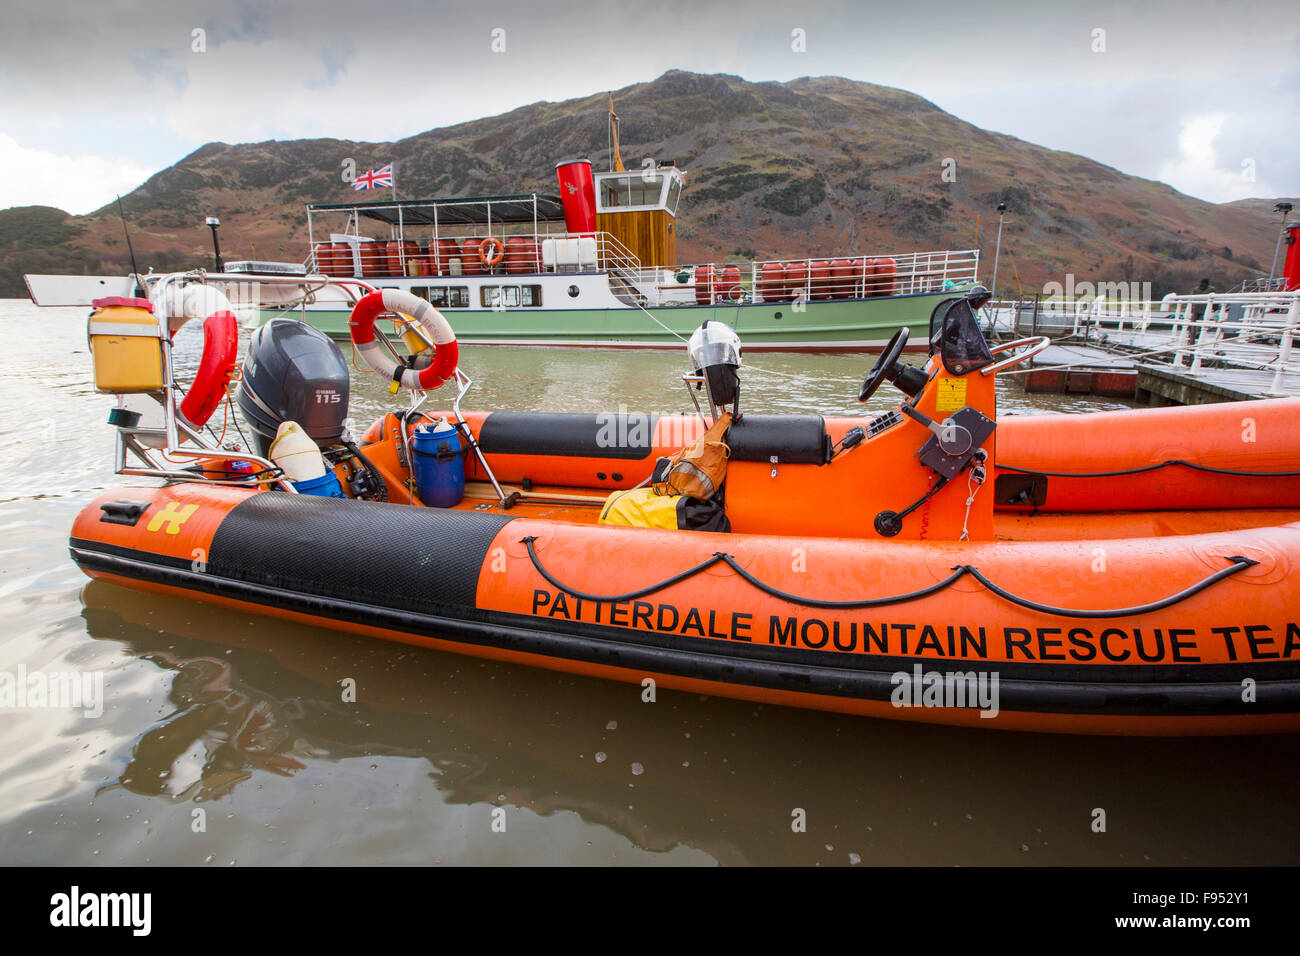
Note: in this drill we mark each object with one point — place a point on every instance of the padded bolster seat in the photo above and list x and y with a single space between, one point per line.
793 439
629 436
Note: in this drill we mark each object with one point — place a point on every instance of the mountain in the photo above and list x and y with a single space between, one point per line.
815 166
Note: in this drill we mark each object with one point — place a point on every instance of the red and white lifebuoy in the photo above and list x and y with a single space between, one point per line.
362 326
220 347
220 351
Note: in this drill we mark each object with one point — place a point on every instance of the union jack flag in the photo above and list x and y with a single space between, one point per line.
375 178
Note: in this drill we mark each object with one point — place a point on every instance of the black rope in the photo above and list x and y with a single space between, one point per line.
1158 465
868 602
1239 564
612 598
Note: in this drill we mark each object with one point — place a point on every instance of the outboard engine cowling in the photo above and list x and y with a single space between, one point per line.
294 372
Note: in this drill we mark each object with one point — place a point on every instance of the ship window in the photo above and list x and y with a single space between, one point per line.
532 295
449 296
422 291
674 194
645 191
614 193
496 297
634 189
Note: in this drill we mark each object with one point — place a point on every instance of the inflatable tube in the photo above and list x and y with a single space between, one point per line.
858 627
362 327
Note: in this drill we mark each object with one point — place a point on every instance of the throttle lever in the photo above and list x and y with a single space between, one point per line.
953 439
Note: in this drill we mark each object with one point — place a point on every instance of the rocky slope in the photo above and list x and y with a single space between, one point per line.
810 167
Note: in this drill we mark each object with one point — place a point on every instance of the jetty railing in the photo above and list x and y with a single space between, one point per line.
1242 330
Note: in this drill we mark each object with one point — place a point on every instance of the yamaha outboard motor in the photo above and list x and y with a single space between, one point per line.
293 372
714 351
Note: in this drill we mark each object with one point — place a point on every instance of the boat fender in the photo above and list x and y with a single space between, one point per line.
362 328
296 454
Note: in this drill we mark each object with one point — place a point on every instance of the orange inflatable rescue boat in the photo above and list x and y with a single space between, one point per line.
1125 572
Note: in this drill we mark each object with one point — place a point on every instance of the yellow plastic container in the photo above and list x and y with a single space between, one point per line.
126 345
414 342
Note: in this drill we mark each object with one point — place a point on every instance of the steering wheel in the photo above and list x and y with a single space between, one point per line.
884 364
1035 344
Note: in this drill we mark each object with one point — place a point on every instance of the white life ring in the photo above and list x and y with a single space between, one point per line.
362 327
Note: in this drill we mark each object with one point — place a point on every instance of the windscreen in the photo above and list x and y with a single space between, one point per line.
958 337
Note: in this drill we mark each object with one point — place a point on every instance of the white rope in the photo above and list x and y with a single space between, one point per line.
679 336
974 480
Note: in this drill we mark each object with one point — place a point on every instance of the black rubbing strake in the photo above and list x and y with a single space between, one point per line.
398 556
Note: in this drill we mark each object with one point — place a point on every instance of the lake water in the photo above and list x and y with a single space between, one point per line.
242 717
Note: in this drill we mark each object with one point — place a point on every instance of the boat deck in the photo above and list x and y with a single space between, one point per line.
583 506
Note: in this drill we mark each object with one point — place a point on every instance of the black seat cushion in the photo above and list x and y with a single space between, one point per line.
792 439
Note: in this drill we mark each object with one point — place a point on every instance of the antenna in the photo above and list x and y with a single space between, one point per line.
135 271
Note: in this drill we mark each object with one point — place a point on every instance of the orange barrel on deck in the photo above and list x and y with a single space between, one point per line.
440 255
886 277
841 278
325 258
729 287
705 282
522 255
344 264
374 258
771 282
862 273
470 263
796 280
399 253
819 276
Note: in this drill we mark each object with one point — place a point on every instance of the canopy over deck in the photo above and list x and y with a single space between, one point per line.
469 210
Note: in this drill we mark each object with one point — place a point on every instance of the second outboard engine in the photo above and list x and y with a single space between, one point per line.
294 372
714 351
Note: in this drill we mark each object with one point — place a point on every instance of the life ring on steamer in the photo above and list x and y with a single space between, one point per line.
362 327
220 353
491 259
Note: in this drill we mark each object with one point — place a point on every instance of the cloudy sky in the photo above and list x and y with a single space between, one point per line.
95 97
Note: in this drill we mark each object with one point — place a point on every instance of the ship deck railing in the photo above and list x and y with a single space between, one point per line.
610 255
915 273
1193 333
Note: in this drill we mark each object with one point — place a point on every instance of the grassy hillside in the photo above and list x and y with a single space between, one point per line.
814 166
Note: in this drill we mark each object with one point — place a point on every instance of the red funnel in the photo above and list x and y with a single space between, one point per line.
578 195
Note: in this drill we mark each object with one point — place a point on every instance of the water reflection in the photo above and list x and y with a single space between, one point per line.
722 777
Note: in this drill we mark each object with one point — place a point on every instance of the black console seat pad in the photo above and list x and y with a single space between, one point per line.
791 439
